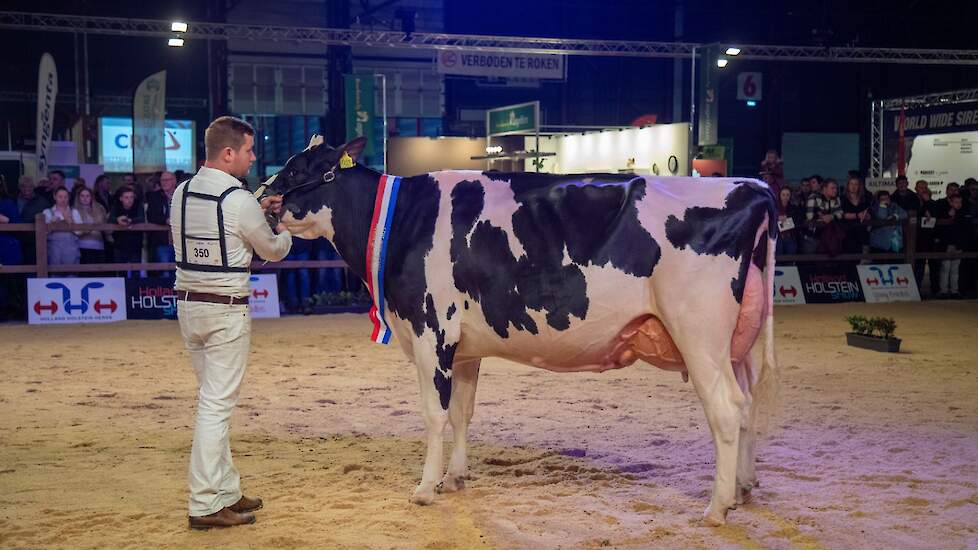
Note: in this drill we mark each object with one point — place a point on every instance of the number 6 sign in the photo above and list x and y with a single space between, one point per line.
749 86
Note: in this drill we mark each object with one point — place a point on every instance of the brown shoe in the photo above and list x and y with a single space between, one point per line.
223 518
246 504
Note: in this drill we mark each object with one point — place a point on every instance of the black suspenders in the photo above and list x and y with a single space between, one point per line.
221 237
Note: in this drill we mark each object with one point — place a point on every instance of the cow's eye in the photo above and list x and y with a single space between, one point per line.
292 174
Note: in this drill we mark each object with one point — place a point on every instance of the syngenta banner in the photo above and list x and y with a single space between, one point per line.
47 93
148 109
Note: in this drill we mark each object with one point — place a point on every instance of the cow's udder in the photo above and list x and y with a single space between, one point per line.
646 338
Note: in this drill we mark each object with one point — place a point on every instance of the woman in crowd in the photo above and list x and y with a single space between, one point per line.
9 245
90 243
855 213
62 244
887 238
790 217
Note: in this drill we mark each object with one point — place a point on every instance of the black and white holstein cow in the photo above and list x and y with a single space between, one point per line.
563 272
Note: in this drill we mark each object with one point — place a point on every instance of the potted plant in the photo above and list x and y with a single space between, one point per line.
875 333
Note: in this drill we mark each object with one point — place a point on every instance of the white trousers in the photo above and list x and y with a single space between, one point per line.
218 337
949 273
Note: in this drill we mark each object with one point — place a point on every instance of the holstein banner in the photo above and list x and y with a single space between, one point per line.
148 111
888 283
76 300
47 94
264 296
360 109
787 286
151 298
498 64
826 285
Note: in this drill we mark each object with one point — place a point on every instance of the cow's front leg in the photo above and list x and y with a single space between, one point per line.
465 378
436 391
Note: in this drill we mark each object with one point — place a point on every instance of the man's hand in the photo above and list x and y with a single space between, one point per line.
272 204
826 218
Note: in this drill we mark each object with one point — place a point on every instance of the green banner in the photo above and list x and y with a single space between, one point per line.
360 110
514 119
709 102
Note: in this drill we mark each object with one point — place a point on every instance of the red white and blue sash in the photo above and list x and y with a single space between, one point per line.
377 253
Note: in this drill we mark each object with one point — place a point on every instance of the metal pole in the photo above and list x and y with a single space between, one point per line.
77 94
383 100
88 102
692 111
210 83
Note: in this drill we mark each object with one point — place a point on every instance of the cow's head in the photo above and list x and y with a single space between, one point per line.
318 182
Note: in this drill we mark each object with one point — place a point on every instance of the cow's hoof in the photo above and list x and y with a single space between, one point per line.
744 494
423 497
451 484
714 518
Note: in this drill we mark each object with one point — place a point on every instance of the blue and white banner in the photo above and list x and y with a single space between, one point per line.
76 300
264 296
787 286
888 283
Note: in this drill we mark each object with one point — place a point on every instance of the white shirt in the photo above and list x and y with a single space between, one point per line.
245 229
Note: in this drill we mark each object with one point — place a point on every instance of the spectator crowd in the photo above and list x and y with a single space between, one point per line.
820 216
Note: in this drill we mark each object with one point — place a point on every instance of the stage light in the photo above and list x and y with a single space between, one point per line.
178 26
721 62
732 50
751 103
175 42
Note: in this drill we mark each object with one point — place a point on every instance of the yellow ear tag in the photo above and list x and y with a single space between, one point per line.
346 161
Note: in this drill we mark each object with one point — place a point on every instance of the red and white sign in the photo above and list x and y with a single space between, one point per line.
749 86
76 300
263 301
501 64
888 283
787 286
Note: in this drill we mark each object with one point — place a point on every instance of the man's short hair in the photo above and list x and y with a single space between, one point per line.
226 131
58 172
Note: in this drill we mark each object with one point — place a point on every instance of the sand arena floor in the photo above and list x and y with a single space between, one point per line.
870 450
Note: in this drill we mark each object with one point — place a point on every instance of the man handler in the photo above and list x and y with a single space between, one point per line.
217 226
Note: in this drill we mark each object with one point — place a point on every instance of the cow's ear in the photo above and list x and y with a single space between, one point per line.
354 147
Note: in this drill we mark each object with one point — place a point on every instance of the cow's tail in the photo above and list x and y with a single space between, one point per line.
766 389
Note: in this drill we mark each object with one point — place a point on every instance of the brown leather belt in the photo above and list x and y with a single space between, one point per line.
210 298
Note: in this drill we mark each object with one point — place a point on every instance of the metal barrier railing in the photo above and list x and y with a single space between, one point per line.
42 269
41 229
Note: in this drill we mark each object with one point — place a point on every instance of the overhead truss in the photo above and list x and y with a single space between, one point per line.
442 41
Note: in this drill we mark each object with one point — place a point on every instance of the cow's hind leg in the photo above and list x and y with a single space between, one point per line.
746 374
436 389
713 378
465 377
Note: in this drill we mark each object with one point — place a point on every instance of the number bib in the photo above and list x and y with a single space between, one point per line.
786 225
202 251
